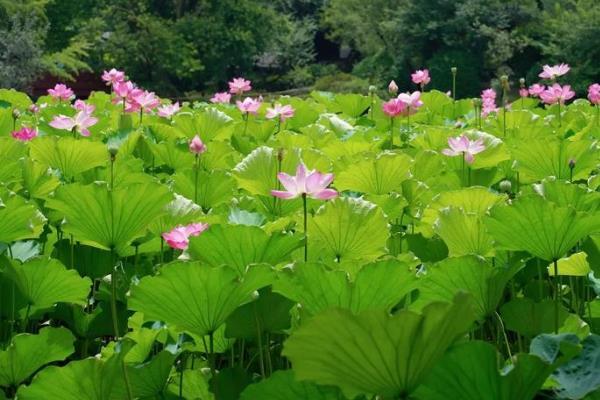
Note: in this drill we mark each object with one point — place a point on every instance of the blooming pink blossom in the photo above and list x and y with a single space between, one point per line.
553 72
557 94
311 183
113 76
168 110
221 97
536 89
421 77
462 146
178 237
239 86
281 112
81 105
594 93
61 92
80 122
24 134
394 107
523 92
392 87
488 102
123 88
197 146
143 100
412 100
249 105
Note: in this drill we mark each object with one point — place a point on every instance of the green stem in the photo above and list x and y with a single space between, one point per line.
211 341
260 344
501 324
181 376
246 118
559 115
196 179
540 279
72 252
305 227
391 133
113 292
141 115
557 299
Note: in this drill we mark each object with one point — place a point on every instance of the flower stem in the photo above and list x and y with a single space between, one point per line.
501 324
196 179
305 228
557 297
559 115
261 357
246 117
391 133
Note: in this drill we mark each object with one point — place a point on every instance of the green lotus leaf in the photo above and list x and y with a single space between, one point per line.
180 211
467 274
44 282
574 265
38 182
352 104
539 227
27 353
15 98
239 246
282 386
174 155
374 352
542 158
209 123
565 194
69 155
109 219
19 219
347 229
469 371
88 379
463 233
214 188
194 297
530 318
379 176
381 284
10 152
195 386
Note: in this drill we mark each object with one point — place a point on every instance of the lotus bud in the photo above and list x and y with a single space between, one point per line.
255 295
113 149
197 146
522 82
392 87
571 163
372 89
453 70
505 186
16 113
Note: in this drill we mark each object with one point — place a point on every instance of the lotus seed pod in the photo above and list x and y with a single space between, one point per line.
571 163
372 89
453 70
505 186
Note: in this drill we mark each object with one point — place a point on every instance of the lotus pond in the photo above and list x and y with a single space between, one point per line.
337 246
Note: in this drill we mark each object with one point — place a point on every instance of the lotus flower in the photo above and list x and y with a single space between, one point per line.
536 89
281 112
24 134
81 105
249 105
61 92
221 97
594 93
123 89
312 184
394 107
178 238
412 100
488 105
557 94
113 77
80 122
168 110
144 100
462 146
523 92
421 77
553 72
239 86
197 146
392 87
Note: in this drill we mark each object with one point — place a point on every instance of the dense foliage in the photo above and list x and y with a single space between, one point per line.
182 47
341 246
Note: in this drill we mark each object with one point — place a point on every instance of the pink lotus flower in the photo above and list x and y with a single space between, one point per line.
536 89
488 94
249 105
421 77
144 100
168 110
394 107
221 97
392 87
281 112
553 72
523 92
197 146
462 146
81 105
113 77
123 89
312 184
594 93
239 86
80 122
488 104
412 100
24 134
178 237
61 92
557 94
